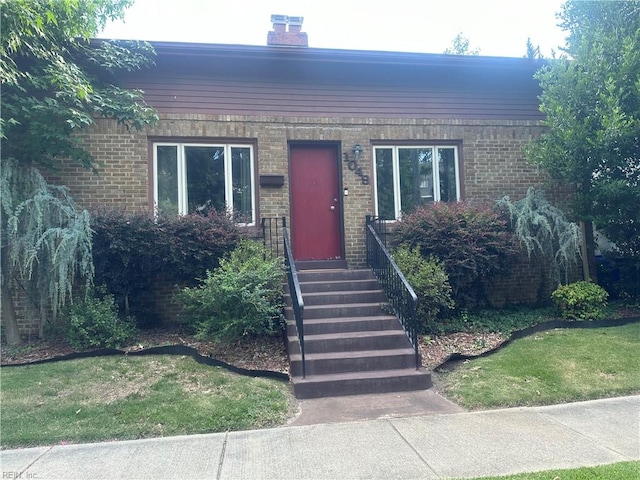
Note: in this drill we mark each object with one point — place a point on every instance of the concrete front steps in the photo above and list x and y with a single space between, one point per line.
352 346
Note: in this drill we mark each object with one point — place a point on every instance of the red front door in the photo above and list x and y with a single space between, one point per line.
315 203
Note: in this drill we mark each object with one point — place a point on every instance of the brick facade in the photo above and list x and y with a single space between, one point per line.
490 154
491 157
277 97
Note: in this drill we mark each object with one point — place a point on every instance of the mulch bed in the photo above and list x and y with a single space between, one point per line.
250 353
269 354
436 350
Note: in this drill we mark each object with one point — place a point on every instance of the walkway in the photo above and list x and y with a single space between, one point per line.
466 444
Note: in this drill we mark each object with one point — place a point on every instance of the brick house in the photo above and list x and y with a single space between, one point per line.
322 137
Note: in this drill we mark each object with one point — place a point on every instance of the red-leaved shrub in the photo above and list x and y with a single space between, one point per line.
472 241
131 251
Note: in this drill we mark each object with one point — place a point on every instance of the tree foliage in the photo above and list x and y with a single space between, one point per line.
592 104
46 238
533 51
461 45
55 82
544 231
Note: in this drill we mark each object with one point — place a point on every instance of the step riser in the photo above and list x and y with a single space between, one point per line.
336 298
317 312
347 286
378 342
345 326
321 264
333 275
343 365
362 386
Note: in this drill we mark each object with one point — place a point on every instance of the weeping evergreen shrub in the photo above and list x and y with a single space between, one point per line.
242 297
46 244
430 283
544 231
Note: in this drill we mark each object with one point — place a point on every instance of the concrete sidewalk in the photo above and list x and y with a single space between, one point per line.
455 445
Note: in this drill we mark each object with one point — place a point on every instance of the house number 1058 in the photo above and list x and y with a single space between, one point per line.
355 168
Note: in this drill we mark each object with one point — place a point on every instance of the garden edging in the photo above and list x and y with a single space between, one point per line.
540 327
161 350
211 361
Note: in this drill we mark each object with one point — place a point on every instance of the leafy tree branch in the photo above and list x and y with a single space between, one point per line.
591 99
56 82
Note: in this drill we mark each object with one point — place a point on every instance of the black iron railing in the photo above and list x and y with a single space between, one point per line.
275 237
272 235
402 298
294 291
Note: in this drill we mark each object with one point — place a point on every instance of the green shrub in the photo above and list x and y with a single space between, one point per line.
580 300
504 320
94 323
132 250
472 241
241 297
431 284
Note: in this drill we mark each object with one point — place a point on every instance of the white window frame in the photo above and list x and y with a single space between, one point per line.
396 173
183 194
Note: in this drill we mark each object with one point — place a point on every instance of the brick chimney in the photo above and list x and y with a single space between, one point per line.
286 32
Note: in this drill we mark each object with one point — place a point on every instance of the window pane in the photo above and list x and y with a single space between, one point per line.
241 173
205 178
447 171
416 177
384 183
167 178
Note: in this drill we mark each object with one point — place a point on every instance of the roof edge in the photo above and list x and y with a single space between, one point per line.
331 55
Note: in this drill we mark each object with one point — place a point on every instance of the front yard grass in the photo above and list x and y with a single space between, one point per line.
119 398
614 471
549 367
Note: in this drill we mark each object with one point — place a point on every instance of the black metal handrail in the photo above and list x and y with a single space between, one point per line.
297 302
402 298
271 236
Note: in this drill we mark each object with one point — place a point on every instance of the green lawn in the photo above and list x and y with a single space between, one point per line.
550 367
106 398
615 471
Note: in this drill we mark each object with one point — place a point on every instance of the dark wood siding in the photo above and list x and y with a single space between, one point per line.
290 87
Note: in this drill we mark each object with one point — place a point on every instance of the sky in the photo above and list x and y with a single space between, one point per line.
495 27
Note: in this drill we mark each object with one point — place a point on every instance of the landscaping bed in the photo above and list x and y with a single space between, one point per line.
269 353
437 349
265 353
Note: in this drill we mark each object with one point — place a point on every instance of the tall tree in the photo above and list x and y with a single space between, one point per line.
55 82
461 45
532 51
591 99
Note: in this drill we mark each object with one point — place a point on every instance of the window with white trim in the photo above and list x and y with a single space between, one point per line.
409 176
190 177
